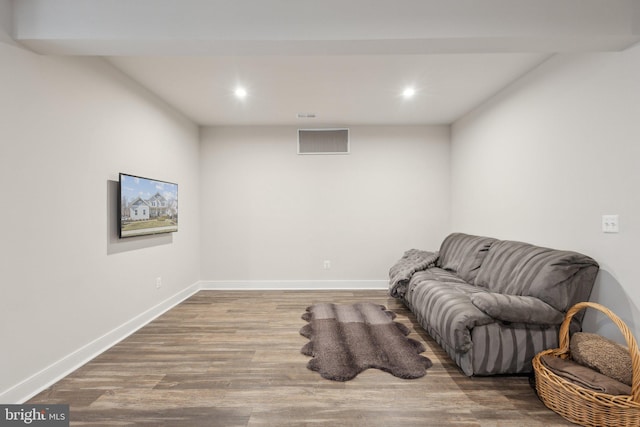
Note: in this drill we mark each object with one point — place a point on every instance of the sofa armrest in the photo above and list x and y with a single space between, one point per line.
517 309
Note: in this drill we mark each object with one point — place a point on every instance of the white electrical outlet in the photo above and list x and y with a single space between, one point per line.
158 282
327 264
610 224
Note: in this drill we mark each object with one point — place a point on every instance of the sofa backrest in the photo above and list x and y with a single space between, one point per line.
559 278
463 254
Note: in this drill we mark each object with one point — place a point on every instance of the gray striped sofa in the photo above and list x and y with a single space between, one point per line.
492 304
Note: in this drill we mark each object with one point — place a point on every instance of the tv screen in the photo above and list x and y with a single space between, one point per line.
147 206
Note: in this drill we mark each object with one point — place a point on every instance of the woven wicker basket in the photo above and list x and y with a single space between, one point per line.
580 405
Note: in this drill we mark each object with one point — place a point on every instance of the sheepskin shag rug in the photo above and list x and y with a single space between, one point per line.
344 340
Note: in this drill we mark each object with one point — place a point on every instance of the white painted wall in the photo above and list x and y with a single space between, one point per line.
545 159
6 22
67 127
270 214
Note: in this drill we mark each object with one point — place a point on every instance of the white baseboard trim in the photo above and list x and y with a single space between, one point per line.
238 285
39 381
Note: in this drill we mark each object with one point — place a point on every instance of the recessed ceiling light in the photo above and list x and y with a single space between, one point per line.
241 92
408 92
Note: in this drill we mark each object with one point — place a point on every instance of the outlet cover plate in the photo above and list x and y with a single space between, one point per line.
610 224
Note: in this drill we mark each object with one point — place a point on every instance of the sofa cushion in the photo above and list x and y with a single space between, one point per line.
517 309
447 307
439 274
433 274
517 268
463 254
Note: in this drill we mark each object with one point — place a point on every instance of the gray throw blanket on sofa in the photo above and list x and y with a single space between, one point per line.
413 260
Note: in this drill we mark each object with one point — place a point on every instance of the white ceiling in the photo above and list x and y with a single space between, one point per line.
339 90
346 61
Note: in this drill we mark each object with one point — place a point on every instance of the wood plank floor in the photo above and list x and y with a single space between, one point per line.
232 358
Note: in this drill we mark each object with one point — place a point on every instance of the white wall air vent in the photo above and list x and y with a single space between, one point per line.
323 141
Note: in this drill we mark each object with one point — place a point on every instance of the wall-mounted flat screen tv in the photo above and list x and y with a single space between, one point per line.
146 206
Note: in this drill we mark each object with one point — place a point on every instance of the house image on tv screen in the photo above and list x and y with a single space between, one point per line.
138 210
147 206
154 207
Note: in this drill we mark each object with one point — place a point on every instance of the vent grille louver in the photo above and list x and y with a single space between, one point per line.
323 141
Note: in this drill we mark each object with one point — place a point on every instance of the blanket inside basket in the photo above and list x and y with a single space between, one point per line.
584 377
